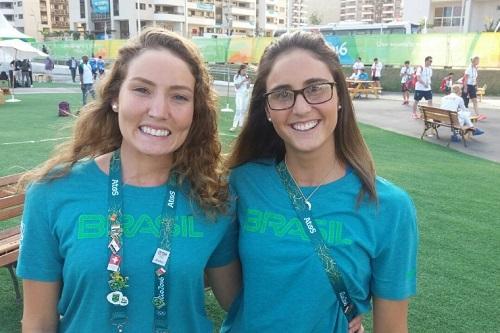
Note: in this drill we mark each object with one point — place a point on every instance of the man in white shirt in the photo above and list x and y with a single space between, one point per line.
423 87
406 75
470 85
376 72
358 66
454 102
86 79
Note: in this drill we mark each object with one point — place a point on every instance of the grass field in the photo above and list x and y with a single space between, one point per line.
457 199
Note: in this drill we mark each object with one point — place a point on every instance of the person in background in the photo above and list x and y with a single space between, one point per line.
376 72
93 65
72 65
322 238
423 87
470 86
86 79
49 67
122 223
446 84
100 66
241 86
406 74
358 66
363 76
25 73
454 102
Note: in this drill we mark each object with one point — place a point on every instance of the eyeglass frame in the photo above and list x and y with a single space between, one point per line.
297 92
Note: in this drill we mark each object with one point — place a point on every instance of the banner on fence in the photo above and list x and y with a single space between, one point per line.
453 50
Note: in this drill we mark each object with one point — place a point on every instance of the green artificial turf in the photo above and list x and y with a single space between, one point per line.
456 195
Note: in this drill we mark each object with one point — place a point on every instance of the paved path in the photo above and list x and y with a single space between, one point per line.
387 113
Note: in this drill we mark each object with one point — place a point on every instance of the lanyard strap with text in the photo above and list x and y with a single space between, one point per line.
322 250
118 282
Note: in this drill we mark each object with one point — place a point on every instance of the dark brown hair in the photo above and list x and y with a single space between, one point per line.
258 138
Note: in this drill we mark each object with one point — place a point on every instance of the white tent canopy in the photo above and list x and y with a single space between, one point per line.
7 31
18 49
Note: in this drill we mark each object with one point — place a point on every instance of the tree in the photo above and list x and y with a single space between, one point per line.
314 19
491 24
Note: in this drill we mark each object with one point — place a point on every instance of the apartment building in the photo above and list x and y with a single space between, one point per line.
298 13
33 17
454 15
371 11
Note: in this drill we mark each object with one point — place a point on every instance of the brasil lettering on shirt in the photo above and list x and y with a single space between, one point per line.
258 221
96 226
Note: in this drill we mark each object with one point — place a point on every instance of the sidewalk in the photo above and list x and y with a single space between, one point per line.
387 113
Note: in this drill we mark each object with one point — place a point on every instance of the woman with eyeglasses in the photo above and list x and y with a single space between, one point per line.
322 238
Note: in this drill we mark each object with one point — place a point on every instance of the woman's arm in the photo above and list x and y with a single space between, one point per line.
40 306
225 282
390 316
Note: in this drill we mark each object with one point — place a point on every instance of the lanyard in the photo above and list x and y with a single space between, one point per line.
118 282
330 266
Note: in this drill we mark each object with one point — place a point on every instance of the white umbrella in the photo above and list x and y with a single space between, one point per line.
19 50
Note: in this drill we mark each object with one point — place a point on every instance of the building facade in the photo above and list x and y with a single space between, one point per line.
454 15
37 17
371 11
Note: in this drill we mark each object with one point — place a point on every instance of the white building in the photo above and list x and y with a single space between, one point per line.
453 15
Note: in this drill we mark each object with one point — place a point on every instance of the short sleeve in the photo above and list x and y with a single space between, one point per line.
39 257
227 249
394 267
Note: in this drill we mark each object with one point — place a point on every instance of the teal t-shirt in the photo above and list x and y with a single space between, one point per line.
285 286
65 238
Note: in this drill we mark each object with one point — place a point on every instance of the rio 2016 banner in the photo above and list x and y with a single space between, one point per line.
454 50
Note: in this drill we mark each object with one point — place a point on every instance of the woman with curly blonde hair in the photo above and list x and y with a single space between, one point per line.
120 225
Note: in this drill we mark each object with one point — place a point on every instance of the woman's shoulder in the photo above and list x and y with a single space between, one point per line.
390 194
81 172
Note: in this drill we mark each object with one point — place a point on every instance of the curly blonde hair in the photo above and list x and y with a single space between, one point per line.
198 161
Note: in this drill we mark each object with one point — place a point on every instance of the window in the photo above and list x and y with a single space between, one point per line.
19 4
82 8
116 8
20 16
448 16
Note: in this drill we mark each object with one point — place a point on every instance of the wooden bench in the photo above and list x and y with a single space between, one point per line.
435 117
481 91
361 87
11 205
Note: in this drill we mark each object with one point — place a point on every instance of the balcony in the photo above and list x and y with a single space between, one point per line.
243 11
198 20
169 17
177 3
243 24
272 13
204 7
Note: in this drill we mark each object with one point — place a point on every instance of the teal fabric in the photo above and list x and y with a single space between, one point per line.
285 286
65 238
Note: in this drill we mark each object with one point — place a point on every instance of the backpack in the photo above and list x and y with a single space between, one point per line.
64 109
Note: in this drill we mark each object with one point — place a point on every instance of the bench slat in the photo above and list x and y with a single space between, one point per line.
6 214
9 244
9 232
13 200
10 180
9 258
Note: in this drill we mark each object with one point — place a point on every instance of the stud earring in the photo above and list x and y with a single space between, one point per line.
269 120
114 107
340 107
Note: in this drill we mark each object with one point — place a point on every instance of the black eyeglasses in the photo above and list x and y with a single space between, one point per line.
316 93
